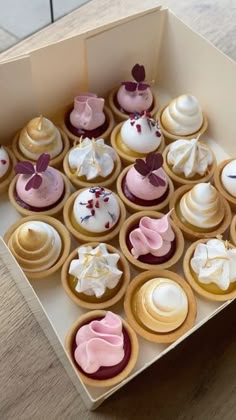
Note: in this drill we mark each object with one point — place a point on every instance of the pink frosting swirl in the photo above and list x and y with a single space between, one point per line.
153 236
88 111
100 343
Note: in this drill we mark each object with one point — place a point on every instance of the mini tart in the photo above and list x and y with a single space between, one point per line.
4 184
169 137
149 335
180 180
82 181
82 234
218 184
193 235
55 162
51 212
233 231
191 277
92 302
133 221
133 207
63 233
122 116
70 338
127 155
105 135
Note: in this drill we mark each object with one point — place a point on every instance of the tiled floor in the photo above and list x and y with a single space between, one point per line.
20 18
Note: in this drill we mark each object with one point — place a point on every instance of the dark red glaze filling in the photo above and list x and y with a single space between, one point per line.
97 132
149 258
108 372
128 112
147 203
31 208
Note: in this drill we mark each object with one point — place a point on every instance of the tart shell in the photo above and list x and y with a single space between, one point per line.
233 230
164 338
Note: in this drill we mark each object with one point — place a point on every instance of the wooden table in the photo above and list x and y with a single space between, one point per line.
195 381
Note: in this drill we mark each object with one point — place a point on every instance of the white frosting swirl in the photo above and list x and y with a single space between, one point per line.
92 158
4 162
40 136
161 305
214 262
228 177
96 270
189 157
36 245
96 209
201 206
183 116
141 134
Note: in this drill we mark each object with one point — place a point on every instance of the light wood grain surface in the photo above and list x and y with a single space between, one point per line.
195 381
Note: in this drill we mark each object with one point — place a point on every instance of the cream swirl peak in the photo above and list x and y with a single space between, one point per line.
96 209
161 305
39 136
153 236
36 245
96 270
201 206
4 162
141 133
92 158
100 343
214 262
183 116
189 157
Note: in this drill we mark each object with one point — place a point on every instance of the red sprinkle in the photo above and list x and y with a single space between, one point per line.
97 205
107 225
90 201
93 212
158 134
3 161
132 122
97 194
138 127
89 206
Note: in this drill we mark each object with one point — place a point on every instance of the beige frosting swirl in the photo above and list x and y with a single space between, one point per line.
201 206
39 136
36 246
183 116
161 305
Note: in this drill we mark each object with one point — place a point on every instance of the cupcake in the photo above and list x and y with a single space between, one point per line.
150 240
233 231
39 244
160 306
189 162
103 348
94 214
92 162
133 96
145 184
38 188
200 211
210 268
182 118
137 137
7 164
39 136
225 181
87 117
95 275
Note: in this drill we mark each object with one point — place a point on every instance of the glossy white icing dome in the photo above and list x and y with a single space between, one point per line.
92 158
183 116
214 262
96 209
4 162
141 134
95 270
189 157
201 206
228 177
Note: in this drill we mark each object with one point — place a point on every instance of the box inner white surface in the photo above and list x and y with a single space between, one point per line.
169 50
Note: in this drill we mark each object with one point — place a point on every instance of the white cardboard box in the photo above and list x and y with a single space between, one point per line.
179 61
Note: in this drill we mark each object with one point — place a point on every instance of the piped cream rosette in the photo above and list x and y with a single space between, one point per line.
35 245
161 305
